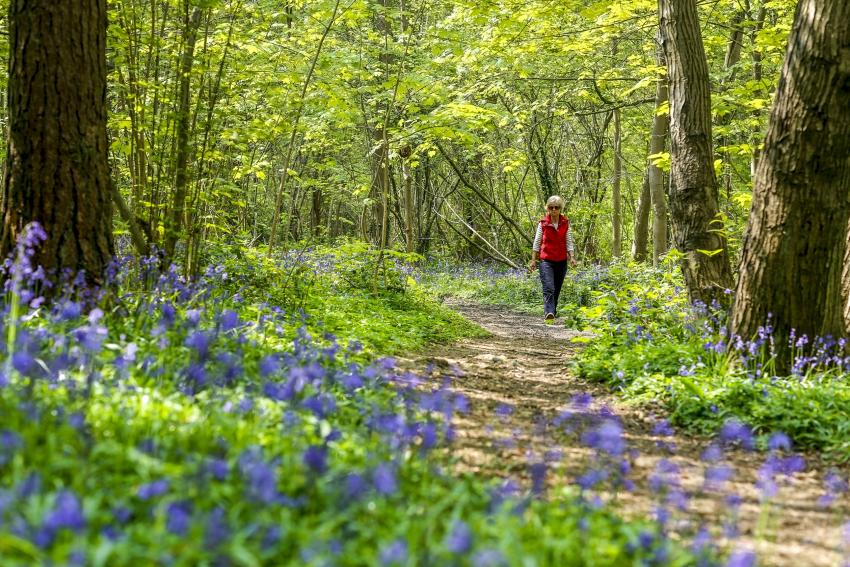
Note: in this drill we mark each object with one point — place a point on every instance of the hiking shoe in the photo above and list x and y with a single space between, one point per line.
550 316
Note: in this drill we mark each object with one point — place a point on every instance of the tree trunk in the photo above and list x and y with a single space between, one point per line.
794 248
617 220
175 220
657 144
57 170
697 227
640 244
409 213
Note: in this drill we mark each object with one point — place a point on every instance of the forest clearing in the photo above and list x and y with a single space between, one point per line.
424 283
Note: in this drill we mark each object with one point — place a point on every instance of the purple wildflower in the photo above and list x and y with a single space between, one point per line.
218 529
742 558
178 517
152 489
384 479
67 513
316 458
459 539
395 553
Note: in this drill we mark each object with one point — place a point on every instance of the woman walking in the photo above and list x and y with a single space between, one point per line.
553 248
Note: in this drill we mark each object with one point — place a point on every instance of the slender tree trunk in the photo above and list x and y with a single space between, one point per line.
57 171
657 144
175 219
730 61
794 250
757 78
694 203
409 214
616 198
640 244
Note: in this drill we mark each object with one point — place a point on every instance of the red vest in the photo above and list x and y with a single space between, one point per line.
554 244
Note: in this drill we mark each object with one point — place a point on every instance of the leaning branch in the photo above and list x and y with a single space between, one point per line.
495 254
481 196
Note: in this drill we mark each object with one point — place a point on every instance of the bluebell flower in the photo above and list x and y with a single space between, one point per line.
488 558
504 410
200 341
779 441
606 438
538 478
581 401
152 489
67 513
316 458
261 476
70 311
712 453
269 365
178 517
742 558
218 468
10 441
24 363
122 514
168 314
459 538
355 486
218 529
734 431
193 317
228 320
395 553
110 532
272 537
591 478
29 486
384 479
716 476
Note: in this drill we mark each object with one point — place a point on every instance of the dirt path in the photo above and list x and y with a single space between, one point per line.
518 383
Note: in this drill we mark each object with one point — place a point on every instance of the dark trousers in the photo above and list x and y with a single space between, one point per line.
552 277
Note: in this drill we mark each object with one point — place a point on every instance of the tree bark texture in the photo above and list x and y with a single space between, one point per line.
694 202
793 252
57 172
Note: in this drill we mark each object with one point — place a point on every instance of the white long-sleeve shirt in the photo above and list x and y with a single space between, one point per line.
538 239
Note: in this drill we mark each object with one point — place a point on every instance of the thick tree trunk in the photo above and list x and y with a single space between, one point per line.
694 203
57 171
794 249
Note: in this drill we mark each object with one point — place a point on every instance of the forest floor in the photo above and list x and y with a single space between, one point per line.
524 364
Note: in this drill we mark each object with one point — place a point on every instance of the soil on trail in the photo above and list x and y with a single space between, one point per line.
518 382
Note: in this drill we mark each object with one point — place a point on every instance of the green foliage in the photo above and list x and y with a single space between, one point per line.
657 351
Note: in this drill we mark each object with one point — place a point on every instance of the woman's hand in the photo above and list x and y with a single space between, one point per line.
532 265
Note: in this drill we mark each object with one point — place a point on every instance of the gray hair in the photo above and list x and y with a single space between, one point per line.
555 200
